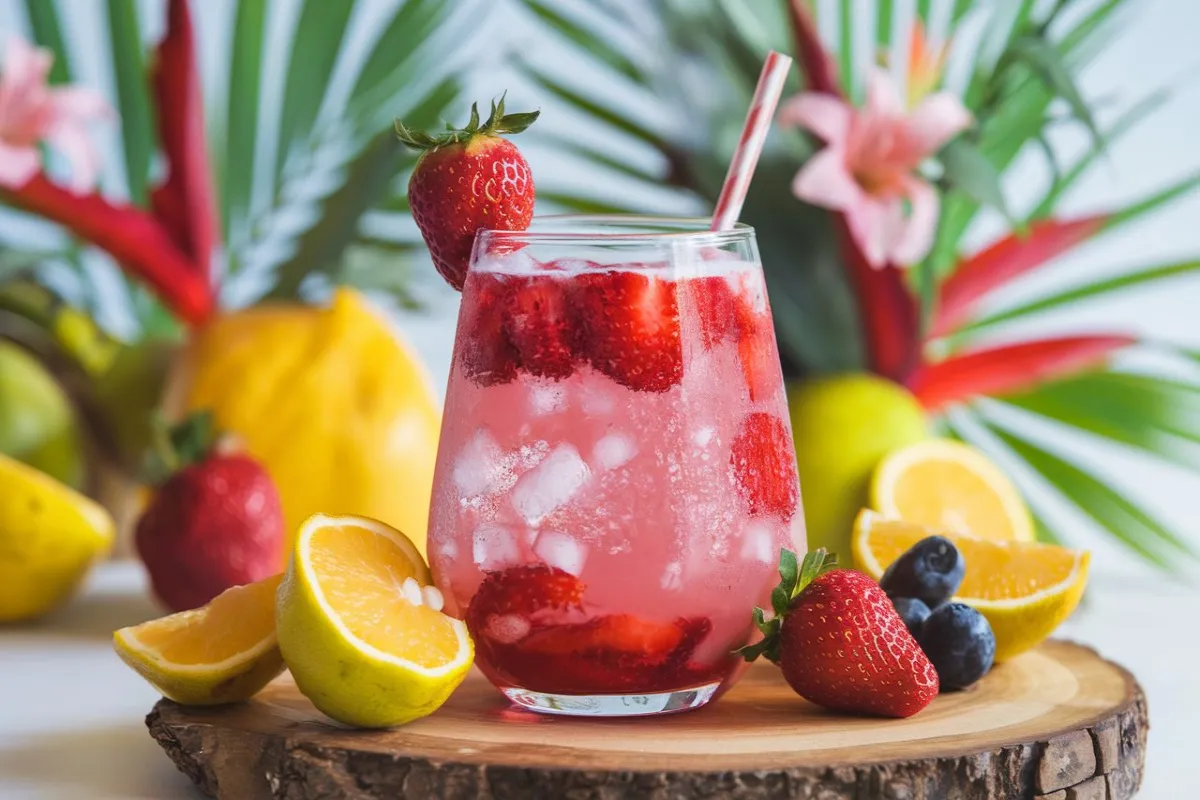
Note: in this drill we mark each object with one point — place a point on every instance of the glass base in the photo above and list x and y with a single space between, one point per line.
613 705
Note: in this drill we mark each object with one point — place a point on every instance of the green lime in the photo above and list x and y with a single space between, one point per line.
843 426
37 422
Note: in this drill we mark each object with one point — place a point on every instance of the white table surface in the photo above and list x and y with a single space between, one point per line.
71 713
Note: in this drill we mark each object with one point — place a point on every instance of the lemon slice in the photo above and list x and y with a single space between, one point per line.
948 485
1025 589
361 627
220 653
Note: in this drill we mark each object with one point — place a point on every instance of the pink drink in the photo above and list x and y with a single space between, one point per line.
615 476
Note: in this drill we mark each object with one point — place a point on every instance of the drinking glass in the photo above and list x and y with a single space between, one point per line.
616 475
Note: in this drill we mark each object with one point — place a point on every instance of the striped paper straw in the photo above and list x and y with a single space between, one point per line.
745 157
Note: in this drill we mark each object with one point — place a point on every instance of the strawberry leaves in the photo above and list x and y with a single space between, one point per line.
794 578
498 123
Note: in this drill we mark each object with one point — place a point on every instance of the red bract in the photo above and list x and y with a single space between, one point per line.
184 202
131 236
1010 368
1004 260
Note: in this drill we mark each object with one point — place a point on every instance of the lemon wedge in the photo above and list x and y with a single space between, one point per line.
361 627
949 485
50 535
1025 589
220 653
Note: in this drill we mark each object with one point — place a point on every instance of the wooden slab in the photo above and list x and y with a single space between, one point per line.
1059 718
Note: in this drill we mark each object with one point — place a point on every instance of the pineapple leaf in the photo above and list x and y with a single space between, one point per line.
969 171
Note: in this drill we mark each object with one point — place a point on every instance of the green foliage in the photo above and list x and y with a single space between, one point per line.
1022 84
326 171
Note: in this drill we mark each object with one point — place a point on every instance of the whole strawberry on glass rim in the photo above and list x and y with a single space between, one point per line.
215 519
840 643
467 180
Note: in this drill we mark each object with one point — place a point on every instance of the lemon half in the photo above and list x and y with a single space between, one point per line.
360 628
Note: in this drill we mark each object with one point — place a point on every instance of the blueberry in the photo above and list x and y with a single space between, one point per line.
931 571
912 611
960 644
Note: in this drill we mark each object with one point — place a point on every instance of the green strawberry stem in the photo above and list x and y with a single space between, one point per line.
173 448
794 578
497 124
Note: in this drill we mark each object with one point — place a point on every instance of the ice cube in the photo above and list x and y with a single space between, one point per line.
506 628
432 597
758 543
670 580
550 484
481 467
614 450
561 550
516 262
704 435
494 547
447 548
411 591
596 398
547 399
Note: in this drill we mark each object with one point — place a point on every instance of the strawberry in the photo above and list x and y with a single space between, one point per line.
840 642
214 522
538 323
715 307
522 591
468 180
629 328
613 633
485 353
764 465
757 349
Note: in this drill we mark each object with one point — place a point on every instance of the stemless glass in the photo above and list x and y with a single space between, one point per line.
616 474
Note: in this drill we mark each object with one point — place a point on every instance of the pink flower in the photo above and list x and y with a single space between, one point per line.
867 172
31 111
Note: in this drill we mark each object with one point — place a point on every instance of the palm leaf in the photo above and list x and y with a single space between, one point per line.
315 47
47 31
129 73
241 121
1125 520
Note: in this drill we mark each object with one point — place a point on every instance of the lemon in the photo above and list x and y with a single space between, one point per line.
1025 589
37 423
333 402
361 628
223 652
947 484
843 425
50 535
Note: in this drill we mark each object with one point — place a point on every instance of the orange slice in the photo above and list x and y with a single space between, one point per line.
220 653
1025 589
948 485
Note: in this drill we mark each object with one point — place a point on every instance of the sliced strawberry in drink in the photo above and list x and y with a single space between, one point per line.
764 465
629 325
538 324
714 305
519 593
756 347
486 355
613 634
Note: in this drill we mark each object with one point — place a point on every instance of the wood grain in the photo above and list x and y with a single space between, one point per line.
1056 722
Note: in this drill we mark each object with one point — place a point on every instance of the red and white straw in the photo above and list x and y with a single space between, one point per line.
745 157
